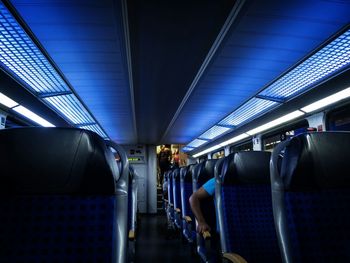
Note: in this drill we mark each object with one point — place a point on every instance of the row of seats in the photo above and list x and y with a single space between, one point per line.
289 206
63 197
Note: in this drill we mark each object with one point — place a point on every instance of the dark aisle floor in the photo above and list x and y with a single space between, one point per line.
155 244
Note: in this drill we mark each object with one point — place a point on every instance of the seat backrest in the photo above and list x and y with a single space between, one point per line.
170 187
186 190
58 196
132 199
204 172
176 188
311 197
245 207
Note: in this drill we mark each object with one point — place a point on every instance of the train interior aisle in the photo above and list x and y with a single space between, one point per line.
157 243
174 131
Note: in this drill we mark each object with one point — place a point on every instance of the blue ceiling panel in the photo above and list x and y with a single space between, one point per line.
85 40
266 40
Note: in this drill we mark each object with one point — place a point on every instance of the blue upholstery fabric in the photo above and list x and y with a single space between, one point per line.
187 193
170 189
319 225
248 219
57 228
177 194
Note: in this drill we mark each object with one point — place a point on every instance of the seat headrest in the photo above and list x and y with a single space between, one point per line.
186 173
317 160
183 171
205 171
176 174
167 175
55 161
251 167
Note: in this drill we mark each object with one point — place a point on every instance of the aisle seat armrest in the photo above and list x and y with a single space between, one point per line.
178 210
232 257
206 235
188 219
166 200
171 204
131 235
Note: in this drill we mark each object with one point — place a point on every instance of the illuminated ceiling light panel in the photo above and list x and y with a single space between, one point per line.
4 100
19 55
70 106
94 128
251 109
196 143
331 59
276 122
327 101
187 149
214 132
32 116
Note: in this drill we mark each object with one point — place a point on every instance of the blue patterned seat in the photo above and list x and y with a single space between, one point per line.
170 209
311 197
58 199
244 206
203 173
177 198
188 222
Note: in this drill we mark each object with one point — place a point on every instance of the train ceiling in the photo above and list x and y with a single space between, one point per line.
159 72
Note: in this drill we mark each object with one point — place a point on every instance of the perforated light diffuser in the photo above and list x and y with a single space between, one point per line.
196 143
327 61
214 132
70 106
21 56
247 111
187 149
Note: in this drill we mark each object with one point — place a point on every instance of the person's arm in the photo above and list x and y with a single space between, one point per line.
195 200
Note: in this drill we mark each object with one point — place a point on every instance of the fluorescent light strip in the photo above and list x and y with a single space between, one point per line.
32 116
70 106
252 108
344 94
94 128
327 101
196 143
4 100
223 144
21 56
214 132
276 122
327 61
235 139
213 148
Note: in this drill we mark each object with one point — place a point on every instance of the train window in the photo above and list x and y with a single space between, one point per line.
218 154
247 146
271 140
339 119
